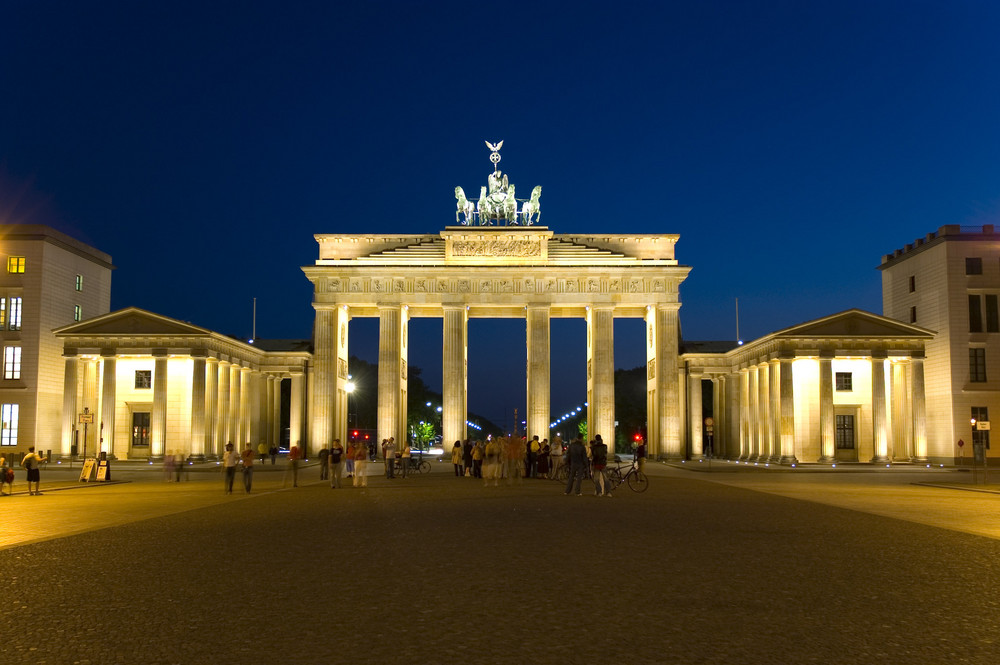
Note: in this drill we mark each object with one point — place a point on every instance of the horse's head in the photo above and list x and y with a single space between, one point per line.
536 193
459 193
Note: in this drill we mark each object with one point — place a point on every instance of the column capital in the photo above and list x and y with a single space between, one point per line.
159 353
917 354
879 354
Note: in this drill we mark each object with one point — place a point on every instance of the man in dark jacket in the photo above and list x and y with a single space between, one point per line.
576 456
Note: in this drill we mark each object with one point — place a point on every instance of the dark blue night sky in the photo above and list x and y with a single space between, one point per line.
790 144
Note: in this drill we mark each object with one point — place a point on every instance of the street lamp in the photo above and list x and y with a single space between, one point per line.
349 388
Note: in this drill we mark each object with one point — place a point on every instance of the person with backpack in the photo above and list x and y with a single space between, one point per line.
31 462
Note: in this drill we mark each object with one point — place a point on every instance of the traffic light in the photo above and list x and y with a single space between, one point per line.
638 437
354 435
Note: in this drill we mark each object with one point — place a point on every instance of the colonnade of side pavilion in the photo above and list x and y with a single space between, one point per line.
524 272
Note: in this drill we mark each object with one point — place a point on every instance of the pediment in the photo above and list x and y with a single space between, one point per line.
854 323
132 321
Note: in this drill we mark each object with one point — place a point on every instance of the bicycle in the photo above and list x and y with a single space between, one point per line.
417 464
637 480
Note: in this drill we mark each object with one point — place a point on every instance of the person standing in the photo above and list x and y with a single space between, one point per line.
247 457
336 462
293 466
492 462
467 457
640 455
477 459
404 459
360 462
576 455
274 455
389 452
352 447
229 461
324 470
599 457
534 448
6 476
31 462
556 453
456 457
262 451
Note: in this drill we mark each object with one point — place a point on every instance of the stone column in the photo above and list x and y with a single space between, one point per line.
879 421
69 409
267 412
91 380
454 374
392 373
247 391
787 398
773 411
106 427
667 382
901 437
763 413
324 379
198 406
919 406
212 407
235 391
158 416
295 415
224 430
694 414
827 422
746 445
255 405
601 375
753 415
717 439
539 373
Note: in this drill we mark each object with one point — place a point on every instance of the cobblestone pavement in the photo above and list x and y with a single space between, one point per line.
438 569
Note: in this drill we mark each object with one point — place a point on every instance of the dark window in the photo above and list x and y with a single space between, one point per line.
981 415
913 314
973 266
140 429
143 378
845 433
977 365
844 381
992 318
913 283
975 314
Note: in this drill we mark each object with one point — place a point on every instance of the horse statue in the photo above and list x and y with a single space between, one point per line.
510 206
465 206
483 208
499 203
531 207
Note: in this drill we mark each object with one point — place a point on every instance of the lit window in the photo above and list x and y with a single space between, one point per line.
79 282
77 313
973 266
980 436
8 416
12 362
143 379
3 313
977 365
15 264
845 381
14 314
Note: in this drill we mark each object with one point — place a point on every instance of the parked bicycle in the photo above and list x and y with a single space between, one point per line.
636 479
417 465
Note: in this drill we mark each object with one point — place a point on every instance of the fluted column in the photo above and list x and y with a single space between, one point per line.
158 416
787 397
91 382
773 411
746 445
694 414
919 406
295 415
392 373
267 411
717 439
211 407
454 374
70 380
235 390
324 378
827 422
763 412
539 376
246 392
754 415
224 427
667 381
601 375
198 406
108 396
879 421
900 439
254 406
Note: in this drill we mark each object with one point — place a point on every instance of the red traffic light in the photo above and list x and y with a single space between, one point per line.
355 434
638 437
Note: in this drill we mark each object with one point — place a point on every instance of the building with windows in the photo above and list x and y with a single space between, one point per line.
949 282
47 280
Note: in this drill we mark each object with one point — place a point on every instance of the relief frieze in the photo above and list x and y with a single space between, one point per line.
496 247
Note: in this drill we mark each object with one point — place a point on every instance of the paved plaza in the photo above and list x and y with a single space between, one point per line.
732 565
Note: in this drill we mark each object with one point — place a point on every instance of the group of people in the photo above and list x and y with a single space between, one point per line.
512 458
31 463
335 461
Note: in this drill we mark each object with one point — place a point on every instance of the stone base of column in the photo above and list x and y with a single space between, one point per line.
827 460
156 458
197 459
880 459
788 459
922 460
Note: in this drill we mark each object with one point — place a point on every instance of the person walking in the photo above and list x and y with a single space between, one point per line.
492 462
599 459
336 463
456 457
6 476
31 462
273 451
576 455
229 461
247 457
352 447
360 462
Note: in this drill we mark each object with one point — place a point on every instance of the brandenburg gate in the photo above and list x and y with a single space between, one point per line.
496 262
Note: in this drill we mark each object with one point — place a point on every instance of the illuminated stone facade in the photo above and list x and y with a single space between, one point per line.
157 385
496 272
